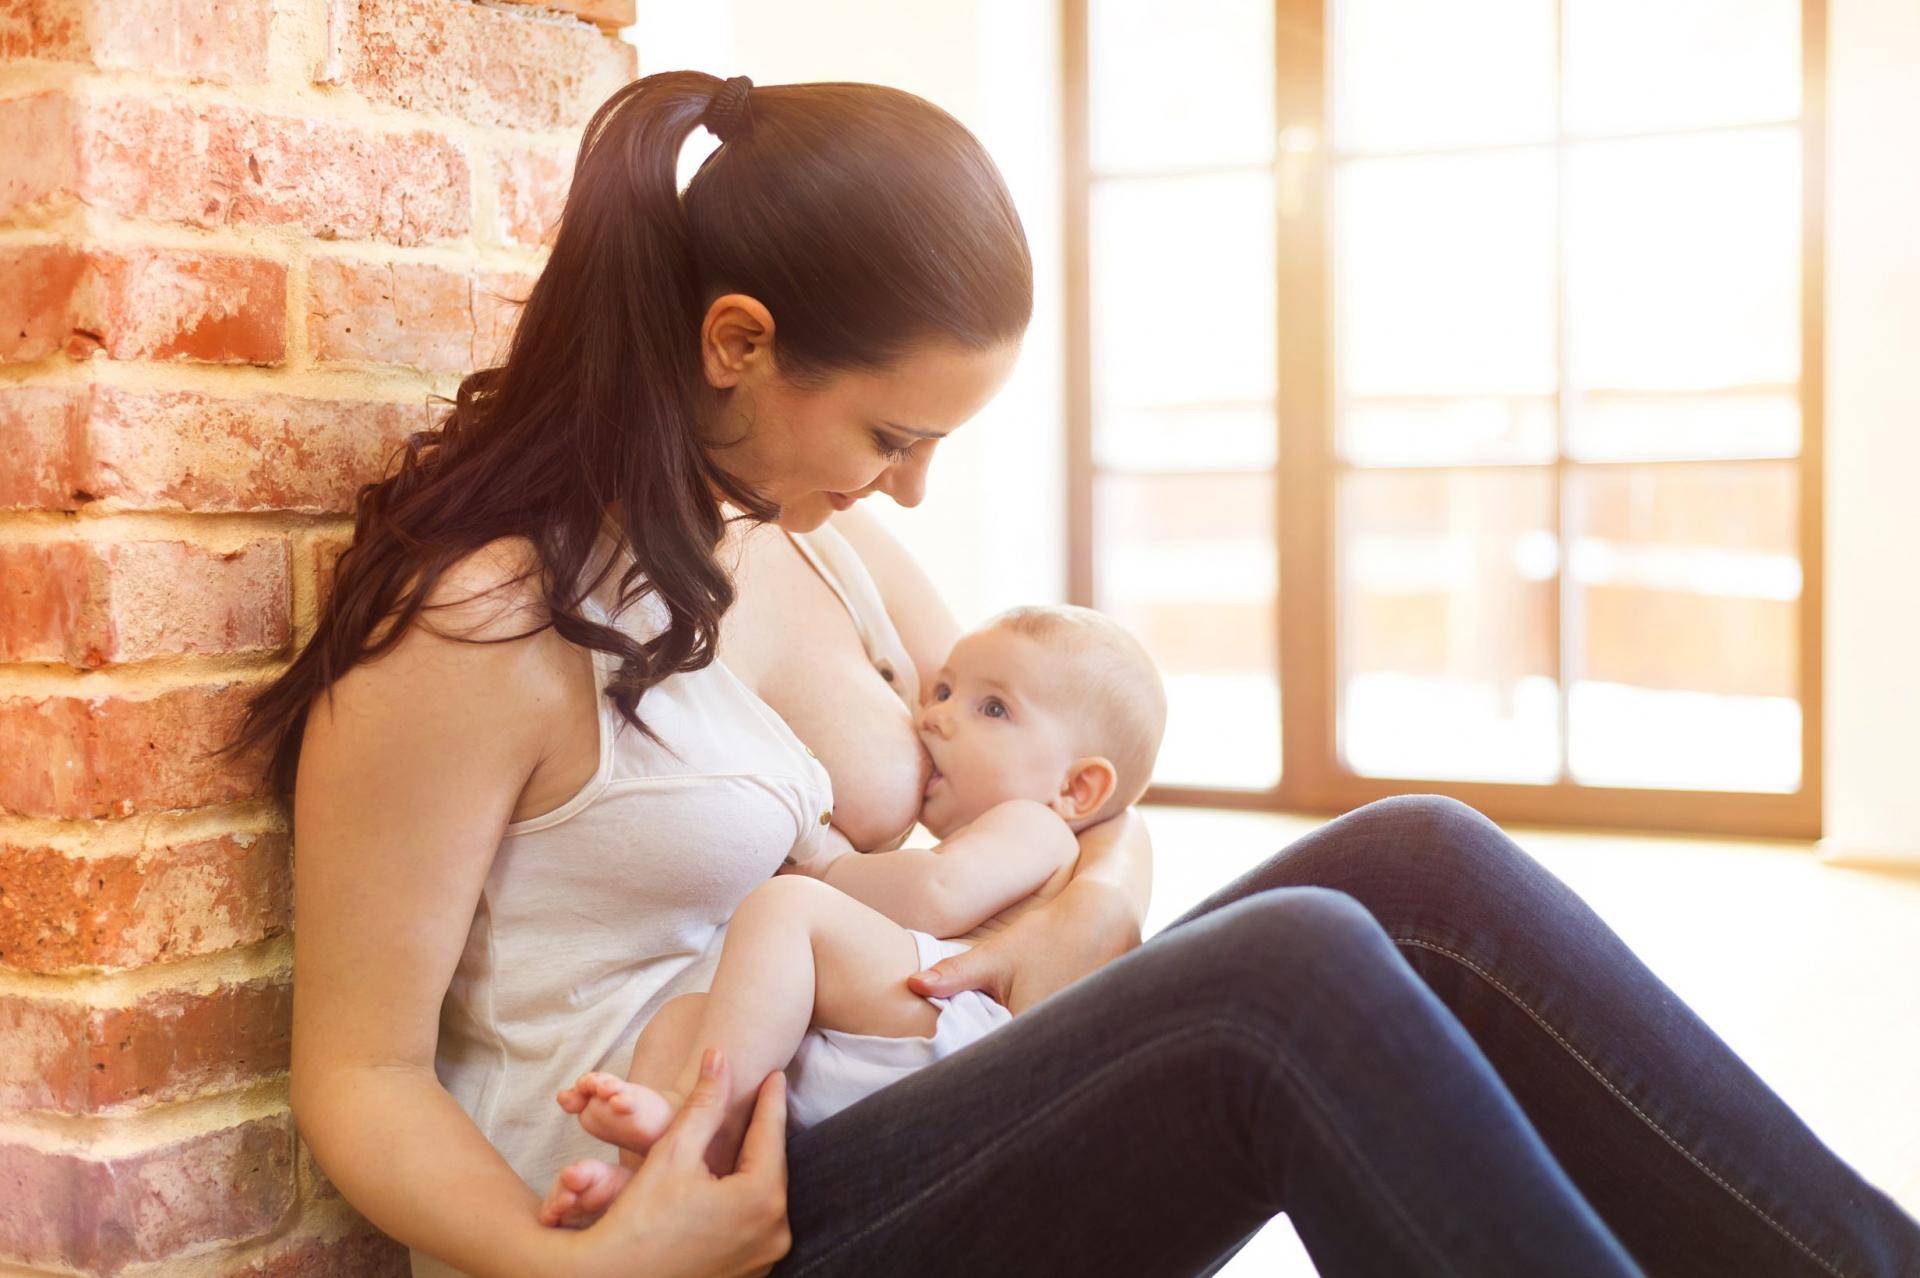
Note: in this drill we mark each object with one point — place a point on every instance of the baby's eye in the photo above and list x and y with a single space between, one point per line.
939 692
994 708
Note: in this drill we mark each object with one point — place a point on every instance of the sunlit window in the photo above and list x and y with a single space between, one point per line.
1561 427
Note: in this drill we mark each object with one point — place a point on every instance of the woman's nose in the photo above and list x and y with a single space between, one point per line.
906 482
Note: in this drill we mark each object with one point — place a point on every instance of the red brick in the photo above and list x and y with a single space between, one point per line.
99 1215
530 186
42 434
215 166
38 285
363 1252
59 912
224 41
181 450
411 314
41 162
405 313
511 68
111 756
170 1045
142 304
89 603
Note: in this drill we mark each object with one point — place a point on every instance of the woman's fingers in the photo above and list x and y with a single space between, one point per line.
976 969
692 1129
764 1150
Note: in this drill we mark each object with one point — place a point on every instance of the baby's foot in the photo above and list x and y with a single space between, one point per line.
581 1192
619 1112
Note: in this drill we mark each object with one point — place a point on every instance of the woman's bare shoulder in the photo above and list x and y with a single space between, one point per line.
482 633
494 592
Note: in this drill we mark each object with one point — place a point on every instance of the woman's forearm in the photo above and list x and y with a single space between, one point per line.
1118 854
408 1158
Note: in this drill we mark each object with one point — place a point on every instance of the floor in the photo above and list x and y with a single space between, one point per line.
1811 972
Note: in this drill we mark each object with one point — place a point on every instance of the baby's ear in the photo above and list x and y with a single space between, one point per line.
1090 783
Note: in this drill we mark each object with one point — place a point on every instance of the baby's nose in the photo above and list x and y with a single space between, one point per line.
931 721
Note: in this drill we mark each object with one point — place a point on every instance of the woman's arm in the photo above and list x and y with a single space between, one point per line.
1095 919
408 774
407 779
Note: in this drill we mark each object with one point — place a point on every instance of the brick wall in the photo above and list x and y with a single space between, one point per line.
240 242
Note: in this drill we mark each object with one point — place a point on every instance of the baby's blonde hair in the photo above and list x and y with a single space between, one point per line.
1119 704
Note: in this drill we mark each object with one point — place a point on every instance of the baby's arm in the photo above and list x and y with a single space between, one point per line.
1001 856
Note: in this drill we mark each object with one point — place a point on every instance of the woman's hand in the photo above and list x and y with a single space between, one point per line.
1045 945
675 1218
1043 949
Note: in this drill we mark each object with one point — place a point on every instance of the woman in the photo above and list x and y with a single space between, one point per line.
1401 1031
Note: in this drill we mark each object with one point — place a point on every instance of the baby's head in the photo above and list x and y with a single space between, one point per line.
1057 704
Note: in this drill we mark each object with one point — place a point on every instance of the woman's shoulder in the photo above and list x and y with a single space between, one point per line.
482 628
493 592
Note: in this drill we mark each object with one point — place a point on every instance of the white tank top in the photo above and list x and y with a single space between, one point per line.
595 914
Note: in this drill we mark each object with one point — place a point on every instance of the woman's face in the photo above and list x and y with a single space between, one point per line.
817 450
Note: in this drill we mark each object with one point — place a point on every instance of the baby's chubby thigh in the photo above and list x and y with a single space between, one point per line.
861 958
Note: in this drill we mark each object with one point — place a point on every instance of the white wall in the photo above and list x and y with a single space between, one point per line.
1873 432
993 527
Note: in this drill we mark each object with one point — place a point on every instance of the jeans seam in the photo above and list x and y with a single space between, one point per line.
1336 1140
1607 1083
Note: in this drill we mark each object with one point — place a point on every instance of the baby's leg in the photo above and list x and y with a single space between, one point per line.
633 1117
799 953
624 1115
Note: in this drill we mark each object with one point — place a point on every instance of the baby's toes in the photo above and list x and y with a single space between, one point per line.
595 1184
559 1201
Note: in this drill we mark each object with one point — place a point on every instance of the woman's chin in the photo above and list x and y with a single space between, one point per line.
804 514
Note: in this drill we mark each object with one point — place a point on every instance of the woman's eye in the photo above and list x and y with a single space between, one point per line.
993 708
891 451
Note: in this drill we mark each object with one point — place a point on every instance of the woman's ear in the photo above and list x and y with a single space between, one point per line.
1090 783
737 331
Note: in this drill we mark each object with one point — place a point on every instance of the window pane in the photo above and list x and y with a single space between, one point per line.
1683 262
1180 86
1685 619
1420 431
1447 598
1187 437
1651 425
1444 275
1416 74
1187 562
1635 65
1183 290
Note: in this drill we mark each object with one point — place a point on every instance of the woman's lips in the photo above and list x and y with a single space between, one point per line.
841 501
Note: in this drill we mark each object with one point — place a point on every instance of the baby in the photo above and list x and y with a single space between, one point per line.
1044 721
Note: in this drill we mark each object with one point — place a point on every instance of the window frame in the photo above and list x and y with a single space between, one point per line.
1313 779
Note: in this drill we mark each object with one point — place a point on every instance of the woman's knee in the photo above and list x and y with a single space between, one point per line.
1282 933
1442 832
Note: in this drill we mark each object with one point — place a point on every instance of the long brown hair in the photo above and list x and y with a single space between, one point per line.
866 220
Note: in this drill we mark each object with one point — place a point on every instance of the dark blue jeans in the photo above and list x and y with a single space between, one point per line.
1403 1032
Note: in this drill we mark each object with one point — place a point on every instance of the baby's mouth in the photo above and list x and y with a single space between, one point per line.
932 781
